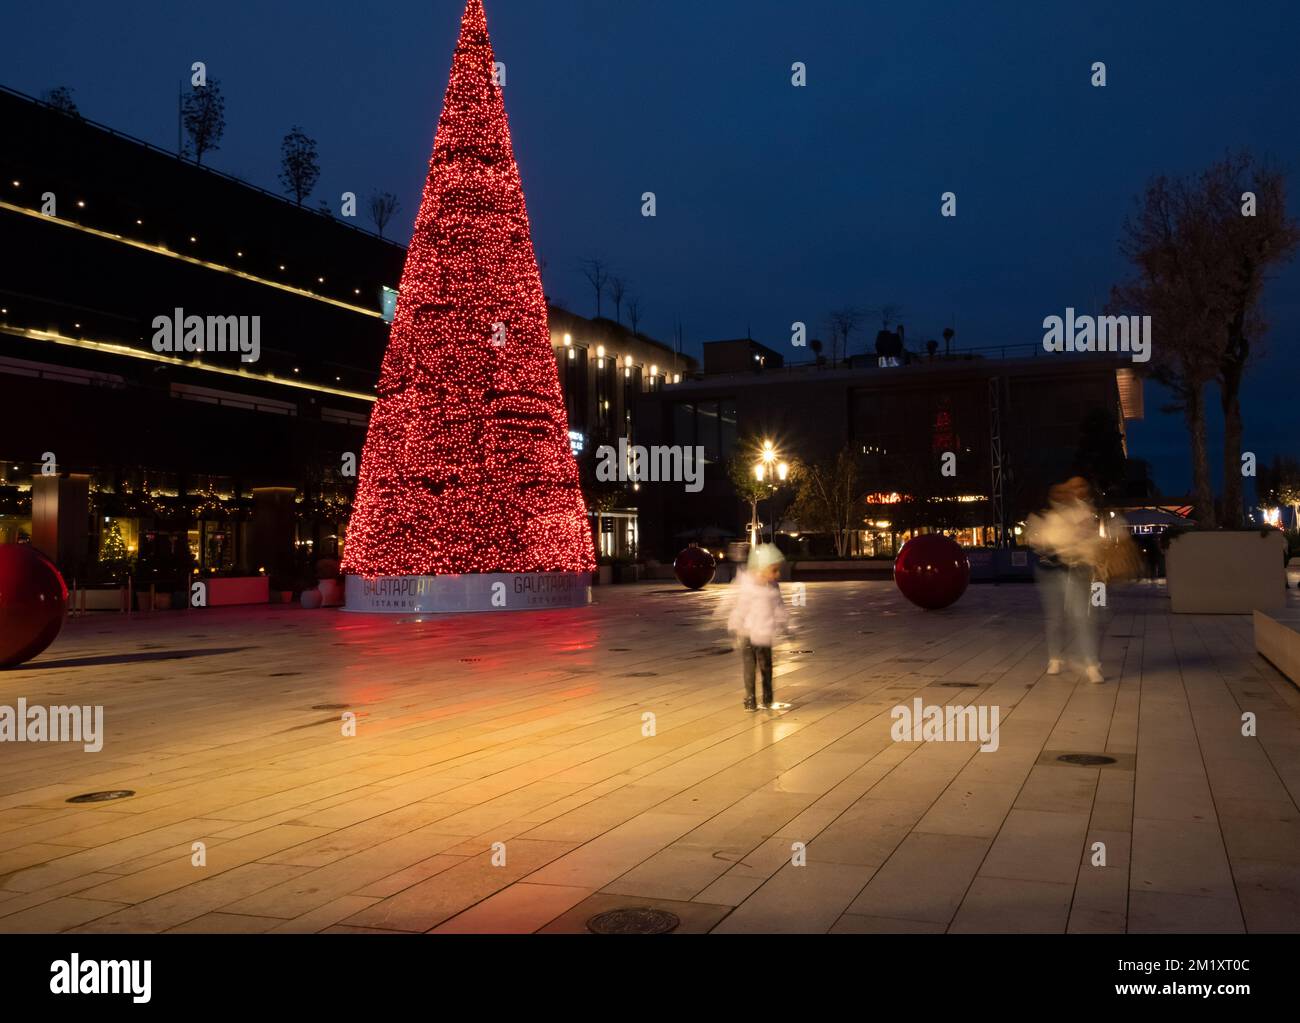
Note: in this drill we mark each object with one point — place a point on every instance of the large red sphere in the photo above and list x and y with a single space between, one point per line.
694 568
932 571
33 600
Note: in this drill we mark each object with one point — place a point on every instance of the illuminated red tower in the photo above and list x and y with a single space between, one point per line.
467 466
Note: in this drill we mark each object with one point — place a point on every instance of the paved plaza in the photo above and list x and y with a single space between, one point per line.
501 777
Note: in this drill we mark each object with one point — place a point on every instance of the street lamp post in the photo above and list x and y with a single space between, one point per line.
764 469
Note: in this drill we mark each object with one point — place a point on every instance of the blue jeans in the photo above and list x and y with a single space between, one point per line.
1067 596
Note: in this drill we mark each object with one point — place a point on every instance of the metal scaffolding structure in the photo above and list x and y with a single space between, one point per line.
997 486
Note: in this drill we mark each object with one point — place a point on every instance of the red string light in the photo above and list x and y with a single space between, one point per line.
467 466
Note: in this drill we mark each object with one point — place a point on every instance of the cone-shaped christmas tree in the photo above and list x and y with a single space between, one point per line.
467 466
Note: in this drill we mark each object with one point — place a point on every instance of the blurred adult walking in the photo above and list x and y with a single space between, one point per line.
1067 538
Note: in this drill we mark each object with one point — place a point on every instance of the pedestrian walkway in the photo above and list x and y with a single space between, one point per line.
524 772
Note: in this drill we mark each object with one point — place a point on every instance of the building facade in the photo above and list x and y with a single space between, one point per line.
181 459
966 445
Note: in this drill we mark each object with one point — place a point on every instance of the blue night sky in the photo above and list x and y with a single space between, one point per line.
775 203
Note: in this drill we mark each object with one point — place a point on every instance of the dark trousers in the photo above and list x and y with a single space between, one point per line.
760 658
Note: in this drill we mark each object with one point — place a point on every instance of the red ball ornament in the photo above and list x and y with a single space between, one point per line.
33 600
932 571
694 568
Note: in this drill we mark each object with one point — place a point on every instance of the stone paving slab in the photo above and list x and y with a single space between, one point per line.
524 772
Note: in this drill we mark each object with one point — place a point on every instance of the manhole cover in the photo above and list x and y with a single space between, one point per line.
1085 759
960 685
101 797
641 674
330 706
637 920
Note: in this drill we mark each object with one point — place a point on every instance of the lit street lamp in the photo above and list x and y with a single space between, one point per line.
768 468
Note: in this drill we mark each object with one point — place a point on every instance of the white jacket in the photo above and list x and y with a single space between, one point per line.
1068 532
758 610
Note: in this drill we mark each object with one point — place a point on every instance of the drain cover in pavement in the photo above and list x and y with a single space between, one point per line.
1085 759
641 674
100 797
960 685
636 920
330 706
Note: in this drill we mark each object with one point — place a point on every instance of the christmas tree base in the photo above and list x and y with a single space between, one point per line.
453 594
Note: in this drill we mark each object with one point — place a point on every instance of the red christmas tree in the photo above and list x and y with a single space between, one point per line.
467 466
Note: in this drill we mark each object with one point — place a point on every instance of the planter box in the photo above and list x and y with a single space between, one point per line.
1277 638
1226 572
100 600
252 589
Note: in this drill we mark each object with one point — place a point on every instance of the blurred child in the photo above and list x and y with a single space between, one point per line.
757 616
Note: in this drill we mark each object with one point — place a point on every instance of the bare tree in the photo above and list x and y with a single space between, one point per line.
596 270
617 289
1248 248
383 205
830 497
1201 262
60 98
203 112
842 323
889 313
1162 241
634 311
299 167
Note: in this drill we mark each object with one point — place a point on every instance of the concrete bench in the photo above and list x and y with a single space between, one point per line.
1277 639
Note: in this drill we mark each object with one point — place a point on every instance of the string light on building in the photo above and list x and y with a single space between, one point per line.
467 466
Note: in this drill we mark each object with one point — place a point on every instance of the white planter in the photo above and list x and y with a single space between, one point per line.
1226 572
100 600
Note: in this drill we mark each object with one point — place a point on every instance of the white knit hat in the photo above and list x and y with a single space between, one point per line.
764 555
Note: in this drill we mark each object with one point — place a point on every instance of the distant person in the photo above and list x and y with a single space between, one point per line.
758 615
1067 539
